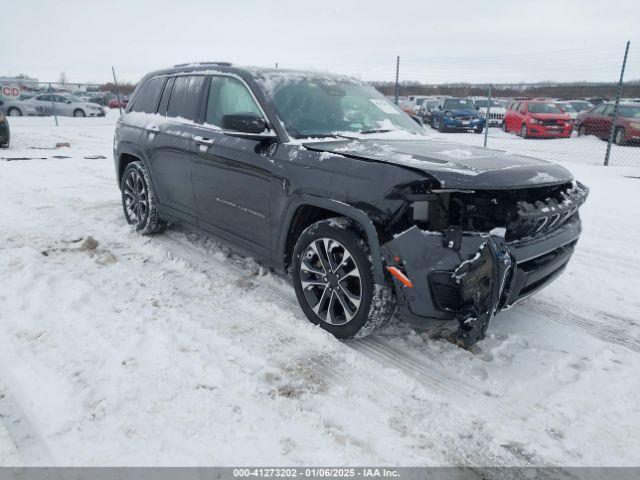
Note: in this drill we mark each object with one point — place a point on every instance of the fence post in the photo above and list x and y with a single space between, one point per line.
115 85
615 107
486 122
397 90
53 104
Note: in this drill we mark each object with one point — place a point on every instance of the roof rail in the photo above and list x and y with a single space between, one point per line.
220 64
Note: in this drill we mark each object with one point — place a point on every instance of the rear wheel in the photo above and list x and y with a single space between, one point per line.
618 136
524 131
441 126
138 200
14 112
333 280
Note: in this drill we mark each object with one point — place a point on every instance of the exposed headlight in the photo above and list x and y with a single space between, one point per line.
635 125
535 120
93 107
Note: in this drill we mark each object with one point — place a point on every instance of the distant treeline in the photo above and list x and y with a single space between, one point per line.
532 90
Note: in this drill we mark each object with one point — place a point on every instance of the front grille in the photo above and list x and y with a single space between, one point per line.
552 123
463 119
496 116
542 216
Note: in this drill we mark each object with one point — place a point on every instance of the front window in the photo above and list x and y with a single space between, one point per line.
543 108
316 106
457 104
227 96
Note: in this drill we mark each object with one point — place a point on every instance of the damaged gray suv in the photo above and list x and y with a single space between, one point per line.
323 178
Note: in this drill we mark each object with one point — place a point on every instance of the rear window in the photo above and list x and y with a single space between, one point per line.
147 100
185 97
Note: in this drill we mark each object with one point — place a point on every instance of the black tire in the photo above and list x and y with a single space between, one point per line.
524 131
618 136
138 200
79 113
14 112
441 126
479 130
504 126
377 303
582 131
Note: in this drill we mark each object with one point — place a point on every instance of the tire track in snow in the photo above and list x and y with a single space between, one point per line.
30 446
601 325
374 347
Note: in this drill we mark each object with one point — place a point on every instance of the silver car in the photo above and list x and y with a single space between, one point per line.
67 105
13 107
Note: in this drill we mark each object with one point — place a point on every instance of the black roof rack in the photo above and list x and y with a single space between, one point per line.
219 64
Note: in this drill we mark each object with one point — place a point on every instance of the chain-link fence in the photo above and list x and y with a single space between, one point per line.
591 122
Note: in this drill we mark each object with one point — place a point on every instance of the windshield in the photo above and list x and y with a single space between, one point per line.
544 108
484 103
581 106
629 111
73 98
457 103
566 107
315 106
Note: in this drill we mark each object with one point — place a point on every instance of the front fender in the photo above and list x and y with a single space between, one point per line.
342 209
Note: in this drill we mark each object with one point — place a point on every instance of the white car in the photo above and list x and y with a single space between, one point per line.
67 105
14 107
567 108
496 112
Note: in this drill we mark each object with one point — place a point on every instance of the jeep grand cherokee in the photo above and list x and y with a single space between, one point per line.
322 177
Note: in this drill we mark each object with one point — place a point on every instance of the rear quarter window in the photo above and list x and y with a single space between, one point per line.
147 100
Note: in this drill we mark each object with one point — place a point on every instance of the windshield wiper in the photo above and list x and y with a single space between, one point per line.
377 130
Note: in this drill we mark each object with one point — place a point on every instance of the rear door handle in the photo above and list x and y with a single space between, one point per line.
203 141
152 129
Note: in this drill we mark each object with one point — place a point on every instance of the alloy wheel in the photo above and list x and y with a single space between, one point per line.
136 198
15 112
331 281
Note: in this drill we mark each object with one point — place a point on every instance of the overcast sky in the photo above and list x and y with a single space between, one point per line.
459 40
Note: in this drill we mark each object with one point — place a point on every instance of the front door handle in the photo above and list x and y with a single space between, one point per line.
203 141
152 129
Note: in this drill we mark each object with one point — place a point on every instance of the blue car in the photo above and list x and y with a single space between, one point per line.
457 114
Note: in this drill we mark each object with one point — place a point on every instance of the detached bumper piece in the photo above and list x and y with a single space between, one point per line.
469 277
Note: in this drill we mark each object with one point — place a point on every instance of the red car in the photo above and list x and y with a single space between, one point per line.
113 103
533 118
597 121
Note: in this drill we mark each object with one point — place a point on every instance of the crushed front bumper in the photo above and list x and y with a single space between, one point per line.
468 276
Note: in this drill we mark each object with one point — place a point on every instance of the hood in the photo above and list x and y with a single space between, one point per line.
453 165
462 112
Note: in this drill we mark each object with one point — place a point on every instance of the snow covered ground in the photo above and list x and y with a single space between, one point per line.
171 350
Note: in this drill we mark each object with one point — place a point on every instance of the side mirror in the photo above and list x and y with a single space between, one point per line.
67 101
246 125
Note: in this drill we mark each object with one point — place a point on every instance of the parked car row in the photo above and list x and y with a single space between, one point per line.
50 103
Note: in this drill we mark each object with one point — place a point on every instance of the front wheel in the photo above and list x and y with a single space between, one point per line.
618 136
479 130
14 112
582 131
442 128
138 200
79 113
333 280
504 126
524 131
